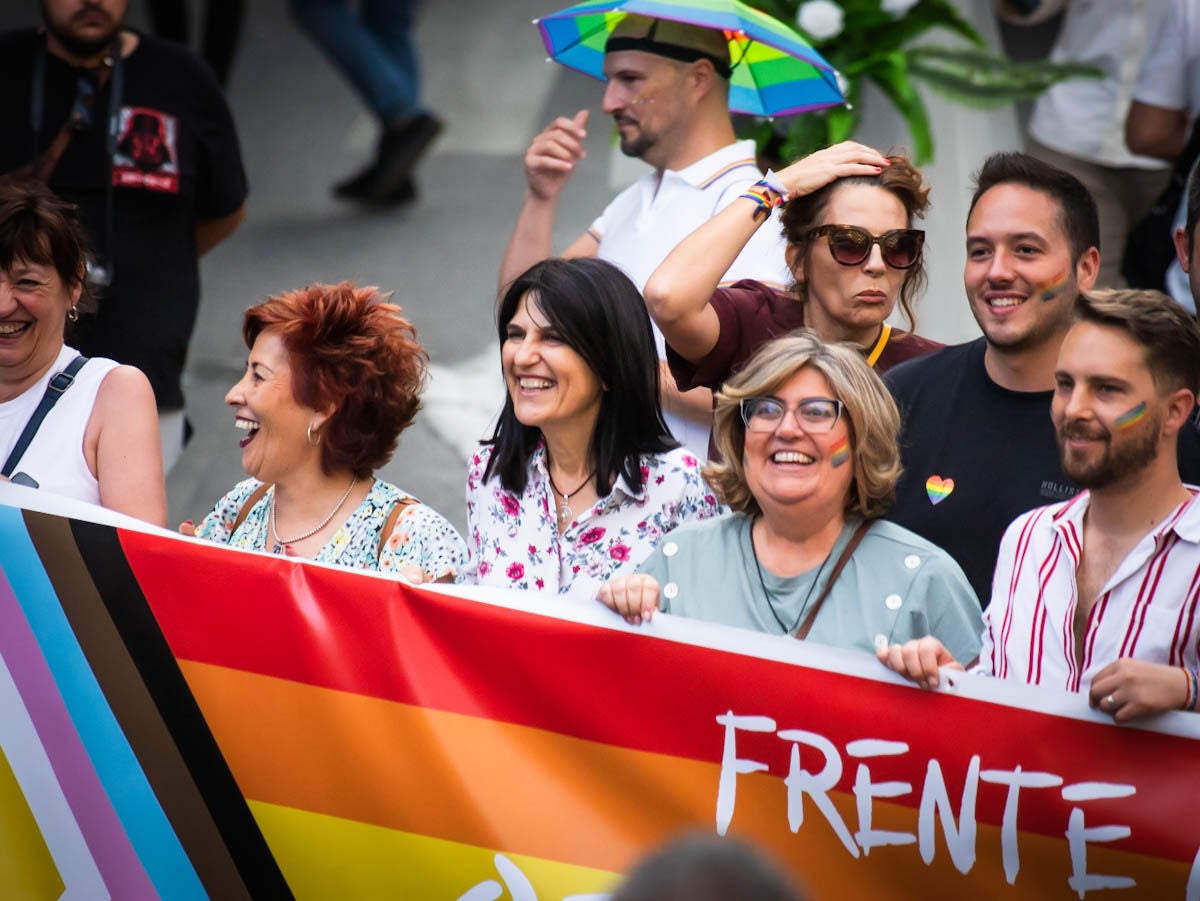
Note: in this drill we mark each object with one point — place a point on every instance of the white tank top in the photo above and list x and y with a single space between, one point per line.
55 456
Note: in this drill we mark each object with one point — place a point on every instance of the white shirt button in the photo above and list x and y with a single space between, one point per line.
670 590
912 561
893 601
670 549
881 641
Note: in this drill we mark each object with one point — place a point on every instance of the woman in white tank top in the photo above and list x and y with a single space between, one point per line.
99 442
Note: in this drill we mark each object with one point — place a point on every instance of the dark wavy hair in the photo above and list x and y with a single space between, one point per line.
350 349
901 179
38 226
599 314
1077 208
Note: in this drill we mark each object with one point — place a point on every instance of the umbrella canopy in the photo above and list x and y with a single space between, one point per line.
775 73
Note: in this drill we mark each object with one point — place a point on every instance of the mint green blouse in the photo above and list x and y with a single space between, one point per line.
895 587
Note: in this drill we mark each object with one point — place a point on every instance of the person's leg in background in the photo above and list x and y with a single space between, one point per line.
376 54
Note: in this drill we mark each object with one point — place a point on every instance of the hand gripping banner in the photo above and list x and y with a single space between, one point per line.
181 720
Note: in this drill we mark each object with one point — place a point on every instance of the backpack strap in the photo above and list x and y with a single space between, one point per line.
389 524
255 496
54 390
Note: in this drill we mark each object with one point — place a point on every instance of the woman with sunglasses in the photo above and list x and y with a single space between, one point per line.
807 435
851 247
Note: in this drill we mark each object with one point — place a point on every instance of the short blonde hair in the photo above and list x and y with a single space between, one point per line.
871 415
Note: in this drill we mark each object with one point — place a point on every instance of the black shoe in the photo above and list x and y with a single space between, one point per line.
356 187
387 181
405 192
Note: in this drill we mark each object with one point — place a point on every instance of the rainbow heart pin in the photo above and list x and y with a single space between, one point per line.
938 489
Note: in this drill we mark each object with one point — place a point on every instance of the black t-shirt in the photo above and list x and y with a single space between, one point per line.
977 455
177 162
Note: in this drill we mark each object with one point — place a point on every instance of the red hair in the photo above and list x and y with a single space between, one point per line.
351 349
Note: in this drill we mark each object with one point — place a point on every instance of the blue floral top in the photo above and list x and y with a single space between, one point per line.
421 535
515 542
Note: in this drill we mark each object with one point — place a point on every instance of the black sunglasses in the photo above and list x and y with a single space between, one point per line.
850 245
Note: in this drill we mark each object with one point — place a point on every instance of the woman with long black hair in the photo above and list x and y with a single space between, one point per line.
581 477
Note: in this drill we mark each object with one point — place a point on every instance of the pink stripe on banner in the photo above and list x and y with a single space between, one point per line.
115 858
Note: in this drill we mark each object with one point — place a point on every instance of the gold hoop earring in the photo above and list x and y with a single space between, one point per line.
316 443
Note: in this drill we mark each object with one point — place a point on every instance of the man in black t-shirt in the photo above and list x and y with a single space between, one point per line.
177 183
977 443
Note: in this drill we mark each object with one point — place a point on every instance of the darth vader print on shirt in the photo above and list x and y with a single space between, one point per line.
147 154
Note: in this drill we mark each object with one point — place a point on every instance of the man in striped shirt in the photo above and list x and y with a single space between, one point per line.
1102 593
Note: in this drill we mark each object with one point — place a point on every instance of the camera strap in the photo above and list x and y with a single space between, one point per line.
43 164
54 390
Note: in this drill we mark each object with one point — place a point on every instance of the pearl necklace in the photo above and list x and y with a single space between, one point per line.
281 544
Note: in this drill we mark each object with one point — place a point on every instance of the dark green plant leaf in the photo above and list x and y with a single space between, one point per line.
984 80
891 76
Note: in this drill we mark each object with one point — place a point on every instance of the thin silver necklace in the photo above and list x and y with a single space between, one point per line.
762 583
281 544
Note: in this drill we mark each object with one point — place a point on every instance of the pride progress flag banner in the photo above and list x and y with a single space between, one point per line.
184 720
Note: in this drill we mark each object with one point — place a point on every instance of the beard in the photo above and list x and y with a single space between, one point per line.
1119 459
638 145
79 45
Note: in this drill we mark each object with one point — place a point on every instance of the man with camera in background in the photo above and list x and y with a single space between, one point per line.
137 133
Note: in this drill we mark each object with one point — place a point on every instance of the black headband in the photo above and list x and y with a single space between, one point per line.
648 44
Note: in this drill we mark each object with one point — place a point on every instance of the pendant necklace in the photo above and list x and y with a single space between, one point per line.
281 544
762 583
565 513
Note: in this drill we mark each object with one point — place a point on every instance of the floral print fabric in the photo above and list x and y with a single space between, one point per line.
514 541
421 535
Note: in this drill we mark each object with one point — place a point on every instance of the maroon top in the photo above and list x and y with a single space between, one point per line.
751 314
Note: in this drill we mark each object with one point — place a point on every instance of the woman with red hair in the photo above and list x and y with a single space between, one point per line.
333 377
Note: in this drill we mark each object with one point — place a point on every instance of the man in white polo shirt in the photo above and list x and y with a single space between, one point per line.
668 93
1101 593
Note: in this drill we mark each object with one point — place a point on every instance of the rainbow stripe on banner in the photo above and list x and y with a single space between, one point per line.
381 741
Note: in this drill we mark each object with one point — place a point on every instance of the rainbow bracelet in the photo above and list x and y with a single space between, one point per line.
764 200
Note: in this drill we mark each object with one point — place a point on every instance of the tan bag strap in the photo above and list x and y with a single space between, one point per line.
255 496
389 524
44 166
842 560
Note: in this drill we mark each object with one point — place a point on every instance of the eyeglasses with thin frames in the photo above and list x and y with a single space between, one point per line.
815 415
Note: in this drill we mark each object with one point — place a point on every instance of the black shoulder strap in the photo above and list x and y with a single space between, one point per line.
59 384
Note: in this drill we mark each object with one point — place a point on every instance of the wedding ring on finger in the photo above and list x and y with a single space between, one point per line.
1110 702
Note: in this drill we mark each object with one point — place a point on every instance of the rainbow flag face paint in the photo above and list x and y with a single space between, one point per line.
1054 288
839 454
1132 418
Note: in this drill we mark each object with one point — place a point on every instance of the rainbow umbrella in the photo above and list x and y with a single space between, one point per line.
775 73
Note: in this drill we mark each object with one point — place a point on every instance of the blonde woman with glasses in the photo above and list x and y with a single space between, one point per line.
807 434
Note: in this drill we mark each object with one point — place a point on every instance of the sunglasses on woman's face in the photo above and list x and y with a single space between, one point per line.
850 246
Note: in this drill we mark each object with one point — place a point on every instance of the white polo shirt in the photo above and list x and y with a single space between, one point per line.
646 220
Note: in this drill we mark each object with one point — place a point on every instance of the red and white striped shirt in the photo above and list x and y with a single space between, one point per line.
1149 609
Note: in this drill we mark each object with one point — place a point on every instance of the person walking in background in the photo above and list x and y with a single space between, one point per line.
1078 125
136 132
374 49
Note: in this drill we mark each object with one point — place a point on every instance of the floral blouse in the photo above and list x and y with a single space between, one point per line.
515 543
421 535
